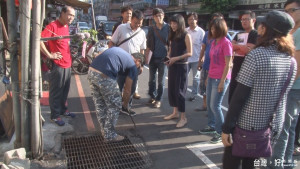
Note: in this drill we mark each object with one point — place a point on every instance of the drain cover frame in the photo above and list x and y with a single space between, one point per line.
90 151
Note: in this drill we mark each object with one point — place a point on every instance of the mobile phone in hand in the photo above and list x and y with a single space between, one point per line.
166 59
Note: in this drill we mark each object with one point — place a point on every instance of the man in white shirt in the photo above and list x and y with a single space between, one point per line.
136 44
126 13
197 35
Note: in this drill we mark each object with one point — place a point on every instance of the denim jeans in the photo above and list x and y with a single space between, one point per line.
121 81
203 77
284 147
214 102
196 80
161 69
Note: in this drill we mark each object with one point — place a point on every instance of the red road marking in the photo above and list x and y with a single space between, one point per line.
86 111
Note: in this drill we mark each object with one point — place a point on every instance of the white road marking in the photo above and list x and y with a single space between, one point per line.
198 149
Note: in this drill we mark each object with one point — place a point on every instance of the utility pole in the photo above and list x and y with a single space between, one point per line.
36 132
12 35
93 14
25 15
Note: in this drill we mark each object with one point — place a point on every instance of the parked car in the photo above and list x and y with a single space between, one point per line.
72 29
105 30
81 26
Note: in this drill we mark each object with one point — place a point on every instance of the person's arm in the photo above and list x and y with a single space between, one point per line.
228 60
127 92
110 44
115 38
142 51
239 98
147 59
44 50
201 57
188 43
243 49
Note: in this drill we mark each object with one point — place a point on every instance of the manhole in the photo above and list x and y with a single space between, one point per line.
91 152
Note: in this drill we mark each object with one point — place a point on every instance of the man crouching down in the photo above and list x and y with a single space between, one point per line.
107 97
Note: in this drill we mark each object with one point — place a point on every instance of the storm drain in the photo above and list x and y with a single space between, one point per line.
91 152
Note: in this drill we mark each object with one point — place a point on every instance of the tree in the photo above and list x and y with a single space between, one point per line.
222 6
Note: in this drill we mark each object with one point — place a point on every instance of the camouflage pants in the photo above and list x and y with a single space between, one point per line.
108 102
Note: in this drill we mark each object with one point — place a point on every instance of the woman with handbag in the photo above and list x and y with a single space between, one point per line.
258 103
180 50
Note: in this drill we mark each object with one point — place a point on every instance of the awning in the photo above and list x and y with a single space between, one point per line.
74 3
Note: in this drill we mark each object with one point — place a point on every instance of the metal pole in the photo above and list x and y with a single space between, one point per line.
93 14
12 34
25 14
36 133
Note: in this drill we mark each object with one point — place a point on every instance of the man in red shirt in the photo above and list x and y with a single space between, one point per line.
59 52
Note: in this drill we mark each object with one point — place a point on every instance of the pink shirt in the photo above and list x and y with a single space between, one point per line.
217 55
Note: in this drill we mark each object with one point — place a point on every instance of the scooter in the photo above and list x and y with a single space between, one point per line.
82 60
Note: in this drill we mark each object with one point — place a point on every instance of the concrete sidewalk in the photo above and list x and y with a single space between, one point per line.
52 136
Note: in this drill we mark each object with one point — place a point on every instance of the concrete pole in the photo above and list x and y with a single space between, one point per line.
25 15
36 133
93 15
12 34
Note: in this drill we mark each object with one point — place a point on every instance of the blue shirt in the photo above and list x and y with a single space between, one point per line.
160 51
115 61
207 43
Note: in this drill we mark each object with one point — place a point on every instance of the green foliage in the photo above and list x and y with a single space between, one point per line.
222 6
93 36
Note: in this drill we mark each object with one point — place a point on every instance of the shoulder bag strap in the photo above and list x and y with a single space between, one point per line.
285 86
125 40
158 35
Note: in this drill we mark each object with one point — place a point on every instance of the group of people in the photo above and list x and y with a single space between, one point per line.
259 67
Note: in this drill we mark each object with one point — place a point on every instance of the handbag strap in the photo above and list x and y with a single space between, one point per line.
285 86
158 35
125 40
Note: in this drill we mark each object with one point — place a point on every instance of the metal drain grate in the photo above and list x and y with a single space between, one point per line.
91 152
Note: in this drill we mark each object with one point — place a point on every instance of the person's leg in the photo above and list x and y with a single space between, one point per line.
100 106
172 75
230 161
216 103
248 163
196 80
162 69
172 94
297 133
56 89
211 118
202 88
152 80
293 109
281 144
113 102
66 88
182 87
